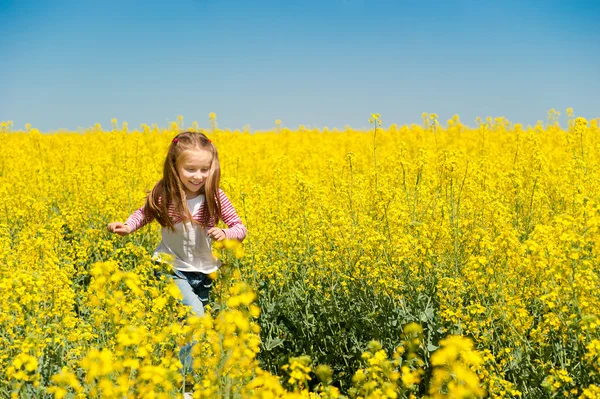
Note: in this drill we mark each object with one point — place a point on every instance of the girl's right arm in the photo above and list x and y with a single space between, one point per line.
136 221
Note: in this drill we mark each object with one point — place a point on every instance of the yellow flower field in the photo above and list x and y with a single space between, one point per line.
433 260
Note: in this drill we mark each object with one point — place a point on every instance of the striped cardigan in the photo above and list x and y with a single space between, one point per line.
235 231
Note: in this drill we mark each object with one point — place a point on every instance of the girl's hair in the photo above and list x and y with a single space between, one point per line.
169 190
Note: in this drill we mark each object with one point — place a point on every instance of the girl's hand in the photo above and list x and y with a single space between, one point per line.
216 234
119 228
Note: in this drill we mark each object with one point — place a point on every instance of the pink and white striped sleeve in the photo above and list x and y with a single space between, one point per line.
137 220
236 229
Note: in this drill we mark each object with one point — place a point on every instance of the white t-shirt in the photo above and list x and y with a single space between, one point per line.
189 246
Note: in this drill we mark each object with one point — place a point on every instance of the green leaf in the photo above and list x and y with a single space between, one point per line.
272 343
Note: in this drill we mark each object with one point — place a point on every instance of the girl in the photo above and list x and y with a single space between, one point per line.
188 204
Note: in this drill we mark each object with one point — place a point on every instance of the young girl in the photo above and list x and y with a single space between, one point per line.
188 204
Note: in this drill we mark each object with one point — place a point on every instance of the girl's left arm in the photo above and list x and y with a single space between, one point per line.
236 229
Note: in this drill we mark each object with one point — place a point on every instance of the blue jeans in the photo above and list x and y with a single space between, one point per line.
195 289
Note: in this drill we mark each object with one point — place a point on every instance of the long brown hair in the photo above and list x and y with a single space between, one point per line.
169 191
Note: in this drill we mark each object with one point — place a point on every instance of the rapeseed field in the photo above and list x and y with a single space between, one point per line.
424 261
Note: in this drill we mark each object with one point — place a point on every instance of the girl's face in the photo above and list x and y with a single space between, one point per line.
193 167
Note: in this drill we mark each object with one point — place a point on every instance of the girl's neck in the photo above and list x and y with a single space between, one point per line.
194 195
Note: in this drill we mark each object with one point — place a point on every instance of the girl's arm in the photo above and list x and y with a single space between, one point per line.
137 220
236 229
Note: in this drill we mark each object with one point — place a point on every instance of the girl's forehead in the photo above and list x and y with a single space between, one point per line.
196 155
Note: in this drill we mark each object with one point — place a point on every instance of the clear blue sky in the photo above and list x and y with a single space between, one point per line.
72 63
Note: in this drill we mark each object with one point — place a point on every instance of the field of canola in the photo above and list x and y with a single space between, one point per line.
437 261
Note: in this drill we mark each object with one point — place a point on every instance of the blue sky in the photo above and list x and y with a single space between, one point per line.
71 63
